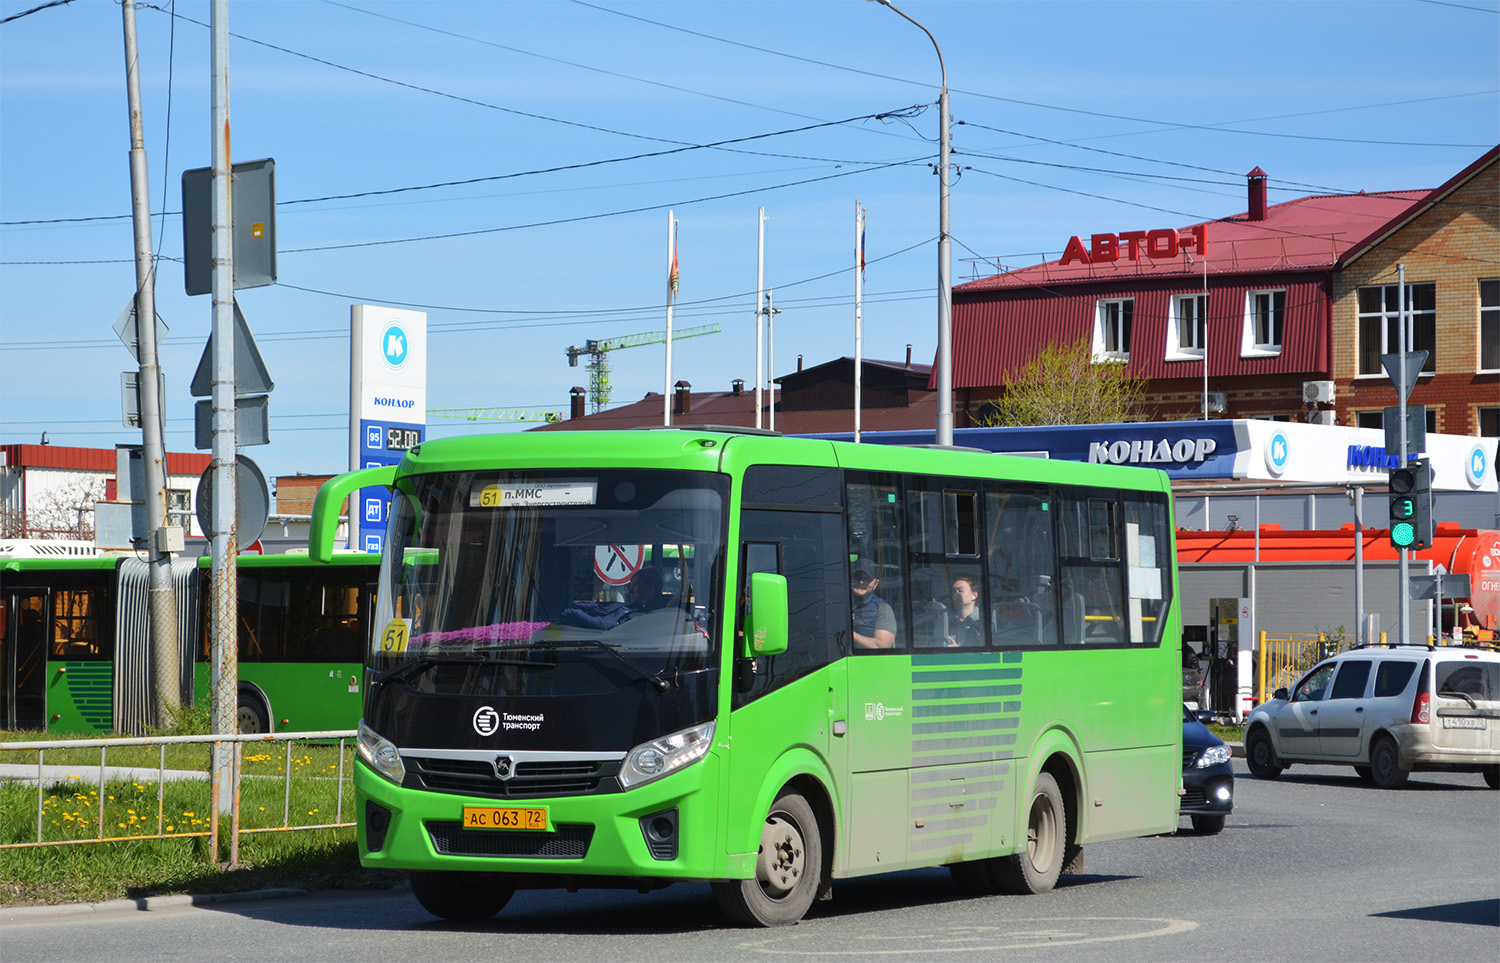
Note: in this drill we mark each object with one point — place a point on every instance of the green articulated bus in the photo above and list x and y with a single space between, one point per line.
761 662
75 646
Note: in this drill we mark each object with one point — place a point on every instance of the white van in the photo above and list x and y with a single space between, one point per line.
1388 711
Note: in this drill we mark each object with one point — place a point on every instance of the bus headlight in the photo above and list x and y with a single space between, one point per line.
667 754
380 754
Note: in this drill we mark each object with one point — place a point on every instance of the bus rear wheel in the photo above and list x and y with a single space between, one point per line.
461 897
252 716
1036 867
788 869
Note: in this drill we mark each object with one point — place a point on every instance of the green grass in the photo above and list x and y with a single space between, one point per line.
1228 733
89 872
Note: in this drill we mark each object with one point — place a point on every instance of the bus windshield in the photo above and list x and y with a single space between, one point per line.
611 573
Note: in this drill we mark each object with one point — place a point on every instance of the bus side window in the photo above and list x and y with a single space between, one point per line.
876 548
803 547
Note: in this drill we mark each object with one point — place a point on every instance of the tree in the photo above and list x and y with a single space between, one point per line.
1064 384
67 510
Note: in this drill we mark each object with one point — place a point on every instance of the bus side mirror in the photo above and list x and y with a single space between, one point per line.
329 506
768 615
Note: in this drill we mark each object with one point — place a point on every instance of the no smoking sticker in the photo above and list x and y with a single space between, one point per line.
617 564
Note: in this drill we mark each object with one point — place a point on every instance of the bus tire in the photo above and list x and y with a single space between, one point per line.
1036 867
788 869
251 715
459 896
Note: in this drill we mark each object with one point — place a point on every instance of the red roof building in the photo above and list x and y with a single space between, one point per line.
894 396
1269 299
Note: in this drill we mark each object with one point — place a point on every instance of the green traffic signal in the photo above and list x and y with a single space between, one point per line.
1403 534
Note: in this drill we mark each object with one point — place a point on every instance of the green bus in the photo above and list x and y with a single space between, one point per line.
75 649
637 657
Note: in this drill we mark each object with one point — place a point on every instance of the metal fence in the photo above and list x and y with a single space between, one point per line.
319 775
1283 658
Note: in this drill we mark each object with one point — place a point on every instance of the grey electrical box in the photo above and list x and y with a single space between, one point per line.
252 198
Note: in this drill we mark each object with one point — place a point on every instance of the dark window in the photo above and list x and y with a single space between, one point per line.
1023 566
1391 678
1480 681
1380 324
297 615
805 548
792 485
1489 325
1351 680
83 612
1314 685
876 548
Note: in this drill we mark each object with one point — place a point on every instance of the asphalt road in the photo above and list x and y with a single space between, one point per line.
1313 866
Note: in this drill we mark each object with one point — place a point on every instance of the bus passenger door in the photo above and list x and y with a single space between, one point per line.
23 658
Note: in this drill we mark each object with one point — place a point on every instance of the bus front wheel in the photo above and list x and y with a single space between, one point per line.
462 897
1036 867
788 869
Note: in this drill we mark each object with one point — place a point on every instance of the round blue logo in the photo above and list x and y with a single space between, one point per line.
1476 465
1278 451
394 345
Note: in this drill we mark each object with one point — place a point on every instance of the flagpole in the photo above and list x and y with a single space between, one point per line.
760 296
859 275
666 391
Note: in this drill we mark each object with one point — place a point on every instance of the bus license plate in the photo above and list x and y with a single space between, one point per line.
1464 722
491 817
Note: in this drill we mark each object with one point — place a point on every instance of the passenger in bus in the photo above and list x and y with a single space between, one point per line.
965 623
874 619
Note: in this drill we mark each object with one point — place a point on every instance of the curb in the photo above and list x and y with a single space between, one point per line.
15 915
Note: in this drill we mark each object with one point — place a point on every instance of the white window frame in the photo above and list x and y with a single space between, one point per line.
1489 318
1104 336
1176 350
1251 345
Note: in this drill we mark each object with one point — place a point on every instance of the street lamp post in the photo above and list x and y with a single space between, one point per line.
945 253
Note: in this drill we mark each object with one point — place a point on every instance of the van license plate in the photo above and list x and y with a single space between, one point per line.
1464 722
491 817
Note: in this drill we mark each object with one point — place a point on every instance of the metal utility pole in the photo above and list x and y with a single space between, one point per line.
945 252
1403 565
771 312
223 539
859 278
165 667
760 296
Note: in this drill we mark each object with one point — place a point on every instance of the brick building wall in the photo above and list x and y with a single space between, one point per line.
1452 245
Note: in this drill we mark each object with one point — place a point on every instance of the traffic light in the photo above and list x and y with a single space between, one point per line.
1411 505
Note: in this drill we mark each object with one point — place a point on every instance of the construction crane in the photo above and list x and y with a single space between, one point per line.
598 352
546 415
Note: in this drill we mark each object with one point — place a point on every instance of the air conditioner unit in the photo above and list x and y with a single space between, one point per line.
1325 417
1218 401
1317 392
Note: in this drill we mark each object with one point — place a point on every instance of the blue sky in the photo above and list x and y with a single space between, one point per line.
1070 118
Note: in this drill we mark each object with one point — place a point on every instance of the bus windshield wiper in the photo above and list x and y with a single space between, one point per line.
405 670
655 678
